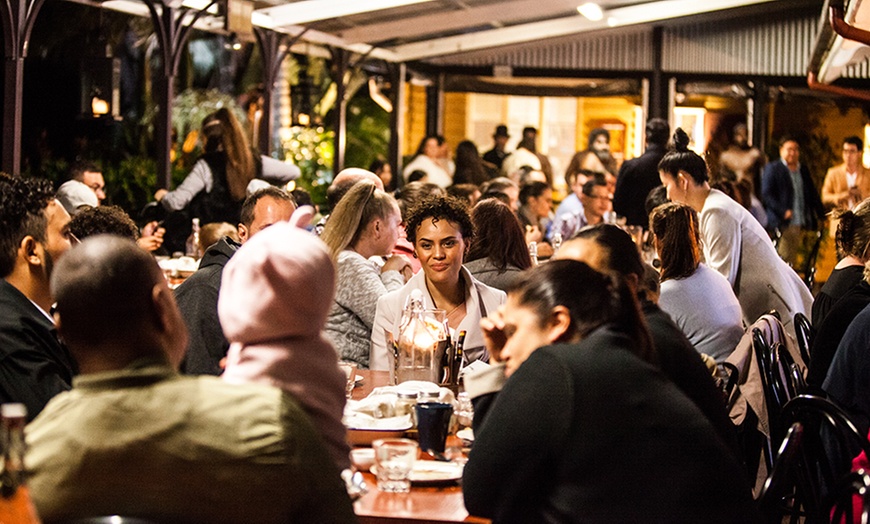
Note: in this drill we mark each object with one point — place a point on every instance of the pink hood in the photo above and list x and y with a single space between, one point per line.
275 294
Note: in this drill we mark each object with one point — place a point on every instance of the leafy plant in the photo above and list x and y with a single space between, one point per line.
312 150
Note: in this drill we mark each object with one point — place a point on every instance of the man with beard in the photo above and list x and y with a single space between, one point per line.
34 233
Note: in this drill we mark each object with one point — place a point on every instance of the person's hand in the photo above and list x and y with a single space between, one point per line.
545 250
494 337
152 237
159 194
787 215
397 263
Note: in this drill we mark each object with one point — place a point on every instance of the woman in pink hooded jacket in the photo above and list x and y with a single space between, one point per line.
275 295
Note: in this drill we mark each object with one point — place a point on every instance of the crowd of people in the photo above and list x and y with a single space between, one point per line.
594 398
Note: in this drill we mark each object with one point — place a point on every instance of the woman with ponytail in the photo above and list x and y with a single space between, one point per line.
585 427
698 299
734 242
853 244
215 188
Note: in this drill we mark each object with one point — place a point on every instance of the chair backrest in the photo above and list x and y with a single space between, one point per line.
803 330
851 500
830 442
778 495
809 268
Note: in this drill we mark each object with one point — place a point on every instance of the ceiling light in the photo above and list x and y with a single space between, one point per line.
591 10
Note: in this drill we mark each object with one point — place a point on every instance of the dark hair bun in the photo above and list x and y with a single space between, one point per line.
846 231
681 140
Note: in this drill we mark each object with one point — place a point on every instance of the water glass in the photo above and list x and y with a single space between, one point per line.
350 376
394 459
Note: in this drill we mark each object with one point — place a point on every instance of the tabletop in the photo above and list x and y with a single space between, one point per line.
423 505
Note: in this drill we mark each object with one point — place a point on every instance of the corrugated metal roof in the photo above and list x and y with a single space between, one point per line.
771 46
628 51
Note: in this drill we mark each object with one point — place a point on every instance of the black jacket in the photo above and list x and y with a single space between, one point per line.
34 365
590 433
197 299
637 177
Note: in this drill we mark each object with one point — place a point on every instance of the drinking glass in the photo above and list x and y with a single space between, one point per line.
394 459
350 377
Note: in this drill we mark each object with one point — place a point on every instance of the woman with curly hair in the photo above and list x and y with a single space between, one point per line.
440 230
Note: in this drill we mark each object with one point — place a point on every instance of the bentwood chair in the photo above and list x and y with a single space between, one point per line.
851 501
778 496
824 456
804 333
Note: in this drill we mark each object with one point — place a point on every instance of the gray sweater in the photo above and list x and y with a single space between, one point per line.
359 285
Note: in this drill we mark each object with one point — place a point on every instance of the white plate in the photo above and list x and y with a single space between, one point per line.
358 379
432 472
466 434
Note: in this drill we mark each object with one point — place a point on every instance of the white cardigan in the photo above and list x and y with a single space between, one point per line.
389 314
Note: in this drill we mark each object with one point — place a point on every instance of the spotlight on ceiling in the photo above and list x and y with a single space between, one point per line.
591 10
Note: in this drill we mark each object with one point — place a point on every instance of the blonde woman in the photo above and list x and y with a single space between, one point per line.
366 223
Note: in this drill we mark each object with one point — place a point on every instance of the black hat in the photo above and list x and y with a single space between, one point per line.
501 131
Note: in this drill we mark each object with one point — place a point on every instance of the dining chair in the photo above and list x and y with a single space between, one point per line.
851 501
804 334
779 497
829 442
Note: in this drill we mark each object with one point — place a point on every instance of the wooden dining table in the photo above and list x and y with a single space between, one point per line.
423 504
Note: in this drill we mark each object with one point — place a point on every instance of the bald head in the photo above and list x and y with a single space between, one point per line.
345 179
113 305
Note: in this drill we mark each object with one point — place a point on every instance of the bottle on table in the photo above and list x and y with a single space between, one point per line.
192 248
533 252
15 503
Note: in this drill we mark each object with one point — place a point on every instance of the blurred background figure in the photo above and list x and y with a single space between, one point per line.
383 170
638 176
428 159
495 156
469 193
536 214
470 168
526 154
596 157
741 161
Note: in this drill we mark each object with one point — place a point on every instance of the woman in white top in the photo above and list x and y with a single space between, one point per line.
366 223
734 242
427 160
440 229
698 299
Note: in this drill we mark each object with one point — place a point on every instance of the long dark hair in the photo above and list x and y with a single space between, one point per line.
223 132
675 225
499 236
681 158
469 165
593 299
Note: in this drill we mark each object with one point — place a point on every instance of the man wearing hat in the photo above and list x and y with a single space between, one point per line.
497 154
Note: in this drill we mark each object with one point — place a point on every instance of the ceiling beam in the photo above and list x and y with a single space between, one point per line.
307 11
327 39
623 16
443 22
